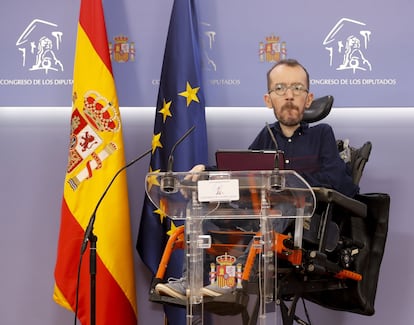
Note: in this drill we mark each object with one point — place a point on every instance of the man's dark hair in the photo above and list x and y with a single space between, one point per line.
290 63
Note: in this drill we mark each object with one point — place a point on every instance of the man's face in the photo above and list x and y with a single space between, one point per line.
289 107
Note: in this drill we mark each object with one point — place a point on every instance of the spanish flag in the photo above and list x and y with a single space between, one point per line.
96 154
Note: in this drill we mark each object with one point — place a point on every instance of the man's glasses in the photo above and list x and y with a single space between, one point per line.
281 89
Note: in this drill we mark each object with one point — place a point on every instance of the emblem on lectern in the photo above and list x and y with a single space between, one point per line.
225 274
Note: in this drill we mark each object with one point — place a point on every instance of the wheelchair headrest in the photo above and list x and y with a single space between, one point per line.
319 109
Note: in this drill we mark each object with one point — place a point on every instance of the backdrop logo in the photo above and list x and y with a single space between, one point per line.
208 38
39 46
121 51
272 50
208 58
347 45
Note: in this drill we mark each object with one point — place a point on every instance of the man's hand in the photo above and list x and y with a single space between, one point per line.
192 177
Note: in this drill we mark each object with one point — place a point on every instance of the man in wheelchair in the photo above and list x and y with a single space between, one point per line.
311 151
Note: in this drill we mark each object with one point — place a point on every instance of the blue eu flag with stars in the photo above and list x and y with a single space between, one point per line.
180 106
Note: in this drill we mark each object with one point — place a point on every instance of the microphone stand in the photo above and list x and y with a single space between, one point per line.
90 237
277 181
168 182
92 273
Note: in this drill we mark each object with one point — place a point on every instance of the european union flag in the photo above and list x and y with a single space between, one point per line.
180 106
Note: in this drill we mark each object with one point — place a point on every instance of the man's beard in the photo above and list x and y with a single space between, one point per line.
289 121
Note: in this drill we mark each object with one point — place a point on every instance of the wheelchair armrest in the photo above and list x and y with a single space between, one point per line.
331 196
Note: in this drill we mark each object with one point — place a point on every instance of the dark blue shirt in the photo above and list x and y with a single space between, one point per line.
312 152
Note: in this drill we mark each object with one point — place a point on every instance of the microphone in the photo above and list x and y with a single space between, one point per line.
277 181
171 157
278 152
89 228
169 182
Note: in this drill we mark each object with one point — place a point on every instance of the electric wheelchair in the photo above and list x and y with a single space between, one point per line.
337 267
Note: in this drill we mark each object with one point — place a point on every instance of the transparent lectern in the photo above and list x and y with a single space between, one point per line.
217 203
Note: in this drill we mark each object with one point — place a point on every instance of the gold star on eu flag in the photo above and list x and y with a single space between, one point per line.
172 229
165 110
190 94
161 212
156 143
152 179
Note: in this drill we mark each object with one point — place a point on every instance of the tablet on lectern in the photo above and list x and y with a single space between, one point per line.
238 160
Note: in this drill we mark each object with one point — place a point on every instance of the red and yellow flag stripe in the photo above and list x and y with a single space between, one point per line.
96 154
